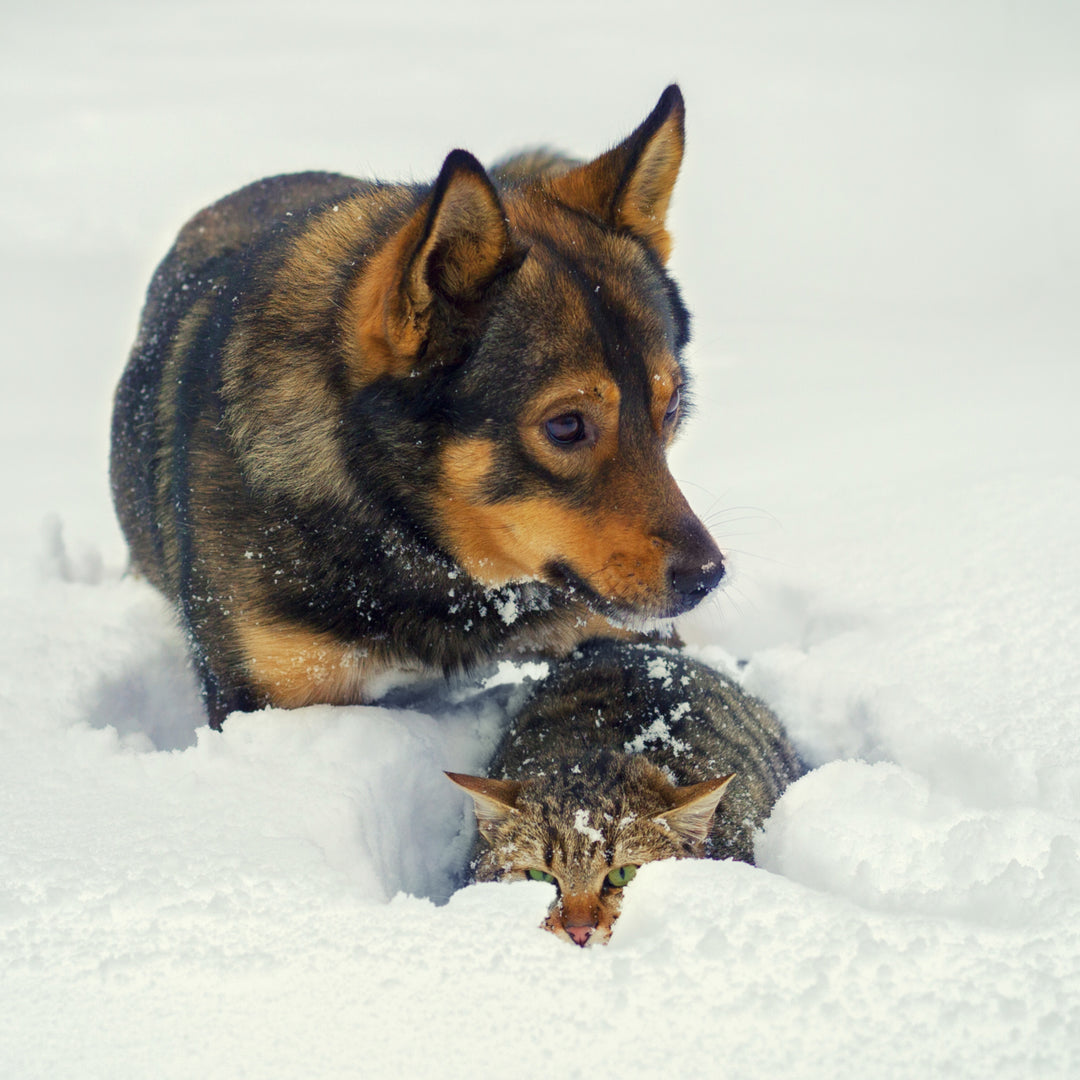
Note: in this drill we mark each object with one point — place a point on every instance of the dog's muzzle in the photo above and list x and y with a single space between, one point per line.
696 565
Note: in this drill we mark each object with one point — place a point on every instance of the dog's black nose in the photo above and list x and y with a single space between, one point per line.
697 565
692 578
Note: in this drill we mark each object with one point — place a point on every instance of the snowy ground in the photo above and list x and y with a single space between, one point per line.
878 231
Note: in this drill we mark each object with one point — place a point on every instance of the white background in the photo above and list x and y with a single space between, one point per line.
877 231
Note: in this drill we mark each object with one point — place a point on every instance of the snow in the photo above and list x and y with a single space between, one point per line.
877 231
507 608
660 670
657 731
582 826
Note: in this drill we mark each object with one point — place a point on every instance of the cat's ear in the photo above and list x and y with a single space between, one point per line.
692 811
493 800
629 188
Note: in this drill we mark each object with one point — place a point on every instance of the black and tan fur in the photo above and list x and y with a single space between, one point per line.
373 427
619 758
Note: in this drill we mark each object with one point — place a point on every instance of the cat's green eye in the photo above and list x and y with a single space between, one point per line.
541 875
618 878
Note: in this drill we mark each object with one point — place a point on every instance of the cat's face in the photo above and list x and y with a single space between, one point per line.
587 832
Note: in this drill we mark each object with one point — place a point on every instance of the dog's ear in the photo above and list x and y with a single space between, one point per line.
630 187
450 252
465 243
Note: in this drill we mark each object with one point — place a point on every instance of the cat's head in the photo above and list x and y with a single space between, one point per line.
586 827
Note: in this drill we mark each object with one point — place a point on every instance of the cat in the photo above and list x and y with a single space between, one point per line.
620 757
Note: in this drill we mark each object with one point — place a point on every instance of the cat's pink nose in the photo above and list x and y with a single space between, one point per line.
580 934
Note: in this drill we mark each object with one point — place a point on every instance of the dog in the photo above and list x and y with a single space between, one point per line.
371 428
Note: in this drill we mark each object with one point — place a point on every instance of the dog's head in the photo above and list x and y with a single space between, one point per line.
539 328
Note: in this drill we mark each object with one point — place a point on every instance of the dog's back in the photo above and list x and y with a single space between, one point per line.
220 243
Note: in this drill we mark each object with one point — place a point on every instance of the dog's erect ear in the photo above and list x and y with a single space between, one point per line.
493 800
692 814
450 252
465 243
630 186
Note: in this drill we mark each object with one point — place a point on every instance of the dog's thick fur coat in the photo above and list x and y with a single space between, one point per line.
368 427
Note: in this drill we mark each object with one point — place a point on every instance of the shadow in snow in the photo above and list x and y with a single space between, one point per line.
156 697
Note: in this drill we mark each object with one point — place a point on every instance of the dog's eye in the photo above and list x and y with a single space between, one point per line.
673 406
565 430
